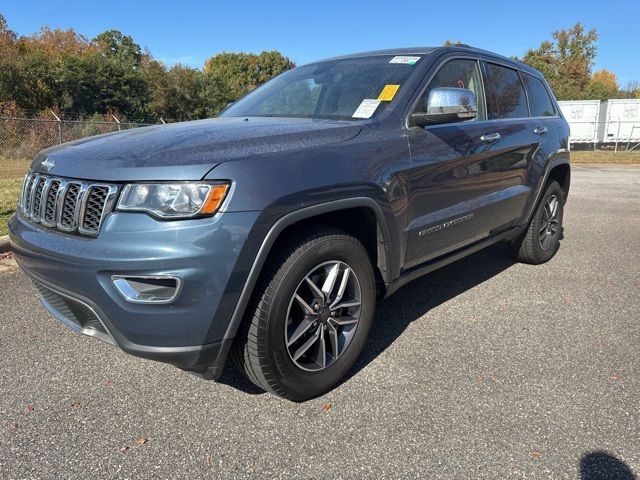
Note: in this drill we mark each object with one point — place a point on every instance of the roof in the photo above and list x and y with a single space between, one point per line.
429 50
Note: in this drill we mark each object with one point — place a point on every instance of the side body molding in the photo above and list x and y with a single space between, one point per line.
290 219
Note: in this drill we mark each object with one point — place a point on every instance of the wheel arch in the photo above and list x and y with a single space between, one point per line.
378 242
559 170
561 173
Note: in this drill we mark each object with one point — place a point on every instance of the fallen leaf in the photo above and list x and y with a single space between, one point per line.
140 441
75 405
613 377
326 406
124 448
30 408
536 454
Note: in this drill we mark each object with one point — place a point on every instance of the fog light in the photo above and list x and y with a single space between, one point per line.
148 289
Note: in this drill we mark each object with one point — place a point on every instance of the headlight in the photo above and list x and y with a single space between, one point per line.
173 200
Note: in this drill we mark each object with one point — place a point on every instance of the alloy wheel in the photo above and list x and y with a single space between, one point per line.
323 316
549 224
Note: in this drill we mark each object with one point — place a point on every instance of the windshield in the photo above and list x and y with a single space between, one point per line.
350 88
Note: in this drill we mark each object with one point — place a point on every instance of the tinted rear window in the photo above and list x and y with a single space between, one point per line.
539 100
510 100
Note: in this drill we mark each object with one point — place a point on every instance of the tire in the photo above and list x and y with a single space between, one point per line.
541 240
285 303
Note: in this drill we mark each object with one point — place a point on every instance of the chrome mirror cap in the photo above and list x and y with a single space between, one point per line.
447 105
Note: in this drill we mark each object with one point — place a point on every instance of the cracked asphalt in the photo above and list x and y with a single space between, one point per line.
483 369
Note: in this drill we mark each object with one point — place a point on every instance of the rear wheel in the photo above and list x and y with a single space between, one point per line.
540 242
310 315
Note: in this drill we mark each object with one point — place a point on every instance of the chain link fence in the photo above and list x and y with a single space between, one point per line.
22 138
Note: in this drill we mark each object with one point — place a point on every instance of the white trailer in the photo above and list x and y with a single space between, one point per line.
583 117
619 121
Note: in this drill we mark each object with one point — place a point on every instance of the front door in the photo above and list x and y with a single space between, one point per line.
468 179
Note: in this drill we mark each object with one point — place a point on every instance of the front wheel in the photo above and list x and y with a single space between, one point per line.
310 315
540 242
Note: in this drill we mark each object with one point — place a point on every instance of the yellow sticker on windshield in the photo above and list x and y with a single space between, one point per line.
388 92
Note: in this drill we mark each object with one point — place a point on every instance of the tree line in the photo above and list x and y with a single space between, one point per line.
65 72
567 61
74 76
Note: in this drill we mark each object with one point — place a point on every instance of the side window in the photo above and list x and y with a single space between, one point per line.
510 100
459 73
539 100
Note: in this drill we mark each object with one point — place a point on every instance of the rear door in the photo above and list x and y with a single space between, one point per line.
469 179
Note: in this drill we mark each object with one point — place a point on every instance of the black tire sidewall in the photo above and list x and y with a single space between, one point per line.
303 384
545 255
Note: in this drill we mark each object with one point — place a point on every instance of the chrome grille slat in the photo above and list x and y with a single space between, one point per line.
32 192
49 205
95 201
73 206
69 204
37 198
26 188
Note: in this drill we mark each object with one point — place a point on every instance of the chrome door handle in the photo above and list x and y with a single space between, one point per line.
540 130
491 137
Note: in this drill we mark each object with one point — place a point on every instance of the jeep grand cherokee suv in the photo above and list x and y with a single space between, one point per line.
265 235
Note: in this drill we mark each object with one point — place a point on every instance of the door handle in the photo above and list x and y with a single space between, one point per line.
490 137
540 130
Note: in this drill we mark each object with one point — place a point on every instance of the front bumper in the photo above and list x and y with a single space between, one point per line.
73 274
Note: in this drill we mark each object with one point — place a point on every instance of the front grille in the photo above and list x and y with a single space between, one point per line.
49 218
68 205
96 200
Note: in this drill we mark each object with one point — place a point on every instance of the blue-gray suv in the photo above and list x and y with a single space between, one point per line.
265 235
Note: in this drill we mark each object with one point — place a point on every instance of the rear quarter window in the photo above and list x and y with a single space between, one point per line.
539 99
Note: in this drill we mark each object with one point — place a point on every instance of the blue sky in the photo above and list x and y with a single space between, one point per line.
189 32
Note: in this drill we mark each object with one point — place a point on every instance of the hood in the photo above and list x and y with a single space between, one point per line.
187 150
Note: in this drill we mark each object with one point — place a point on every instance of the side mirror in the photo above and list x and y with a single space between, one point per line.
447 105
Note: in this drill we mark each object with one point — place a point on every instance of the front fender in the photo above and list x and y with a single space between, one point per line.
294 217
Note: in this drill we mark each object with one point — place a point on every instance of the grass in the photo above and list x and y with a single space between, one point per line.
12 168
605 157
9 193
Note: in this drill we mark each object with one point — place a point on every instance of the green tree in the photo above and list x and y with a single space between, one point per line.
177 93
8 57
228 76
603 85
566 61
115 45
62 70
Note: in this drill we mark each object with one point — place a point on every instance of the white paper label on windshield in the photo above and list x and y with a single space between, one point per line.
367 108
404 59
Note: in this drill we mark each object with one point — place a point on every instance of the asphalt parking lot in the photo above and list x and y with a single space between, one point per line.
484 369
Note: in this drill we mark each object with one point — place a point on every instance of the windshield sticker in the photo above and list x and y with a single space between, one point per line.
388 92
403 59
367 108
